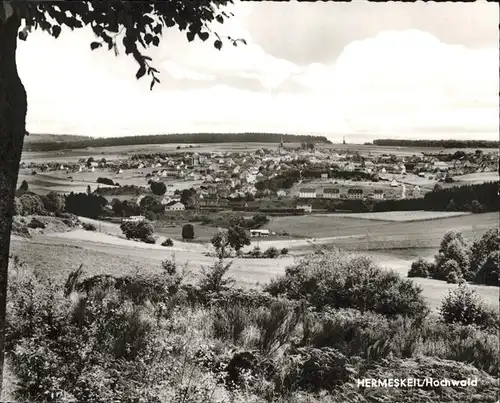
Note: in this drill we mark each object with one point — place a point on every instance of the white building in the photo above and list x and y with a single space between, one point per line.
331 193
394 183
307 208
134 218
355 193
378 194
307 193
255 233
175 206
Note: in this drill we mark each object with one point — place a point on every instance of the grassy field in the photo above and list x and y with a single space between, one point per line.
401 216
476 178
58 254
377 234
63 182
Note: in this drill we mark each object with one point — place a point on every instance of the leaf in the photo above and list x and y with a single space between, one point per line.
141 71
56 31
218 44
219 19
148 38
95 45
157 29
156 41
190 36
23 35
203 36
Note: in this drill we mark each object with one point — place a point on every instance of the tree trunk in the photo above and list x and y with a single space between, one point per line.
13 108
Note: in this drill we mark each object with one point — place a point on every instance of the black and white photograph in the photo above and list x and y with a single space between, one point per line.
216 201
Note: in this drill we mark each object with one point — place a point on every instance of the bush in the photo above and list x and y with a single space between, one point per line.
137 230
484 258
54 202
188 231
420 268
149 239
464 306
271 253
339 280
256 252
453 257
89 227
105 181
36 223
213 279
31 204
284 251
167 242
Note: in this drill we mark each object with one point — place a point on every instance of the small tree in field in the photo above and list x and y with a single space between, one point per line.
188 231
125 25
238 238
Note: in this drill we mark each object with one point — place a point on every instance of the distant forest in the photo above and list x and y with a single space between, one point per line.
437 143
188 138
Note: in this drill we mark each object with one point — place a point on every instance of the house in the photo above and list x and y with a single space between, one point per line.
307 208
307 193
378 194
440 165
416 191
175 206
324 176
355 193
394 183
282 193
331 193
134 218
255 233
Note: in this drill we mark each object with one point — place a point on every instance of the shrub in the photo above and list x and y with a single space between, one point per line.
339 280
213 279
31 204
105 181
488 273
271 253
54 202
36 223
167 242
284 251
149 239
255 252
141 230
452 257
484 258
463 305
187 231
420 268
89 227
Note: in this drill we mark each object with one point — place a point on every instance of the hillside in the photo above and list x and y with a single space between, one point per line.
53 138
171 139
437 143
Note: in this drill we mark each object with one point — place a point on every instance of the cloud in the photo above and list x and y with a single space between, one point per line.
395 82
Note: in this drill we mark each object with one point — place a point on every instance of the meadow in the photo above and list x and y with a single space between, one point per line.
77 182
393 245
421 233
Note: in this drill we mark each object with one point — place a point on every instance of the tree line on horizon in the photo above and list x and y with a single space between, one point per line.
182 138
437 143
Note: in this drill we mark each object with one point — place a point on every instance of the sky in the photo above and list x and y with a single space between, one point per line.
361 70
